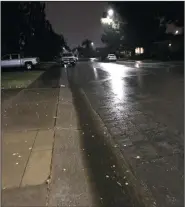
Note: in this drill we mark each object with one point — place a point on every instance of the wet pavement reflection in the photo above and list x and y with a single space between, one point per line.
159 85
108 185
142 106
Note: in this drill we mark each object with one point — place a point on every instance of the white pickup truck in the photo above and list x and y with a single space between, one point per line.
68 59
15 61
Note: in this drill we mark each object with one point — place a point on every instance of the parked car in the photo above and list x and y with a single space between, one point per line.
68 59
76 57
16 61
111 57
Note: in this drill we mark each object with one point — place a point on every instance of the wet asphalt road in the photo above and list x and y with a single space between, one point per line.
156 89
105 178
142 105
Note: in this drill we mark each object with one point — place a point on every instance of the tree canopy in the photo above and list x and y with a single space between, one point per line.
145 22
25 29
113 32
86 43
87 48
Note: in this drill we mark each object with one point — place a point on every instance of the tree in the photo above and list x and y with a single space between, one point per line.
25 29
144 20
87 48
11 22
86 43
113 38
113 31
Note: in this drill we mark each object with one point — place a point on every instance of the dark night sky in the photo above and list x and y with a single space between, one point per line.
76 20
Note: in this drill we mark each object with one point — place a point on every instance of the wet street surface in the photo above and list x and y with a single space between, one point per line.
153 89
108 184
141 104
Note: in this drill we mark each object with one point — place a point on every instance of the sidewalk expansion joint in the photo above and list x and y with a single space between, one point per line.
28 159
54 128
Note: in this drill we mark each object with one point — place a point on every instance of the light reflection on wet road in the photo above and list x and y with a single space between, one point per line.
155 87
142 106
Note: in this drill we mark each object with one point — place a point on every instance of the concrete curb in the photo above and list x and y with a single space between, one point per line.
62 188
137 190
52 153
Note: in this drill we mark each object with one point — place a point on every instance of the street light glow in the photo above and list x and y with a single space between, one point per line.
176 32
92 43
106 20
110 12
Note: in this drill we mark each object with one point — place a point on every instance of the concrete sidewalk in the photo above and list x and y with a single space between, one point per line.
27 142
69 185
28 126
41 151
28 156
